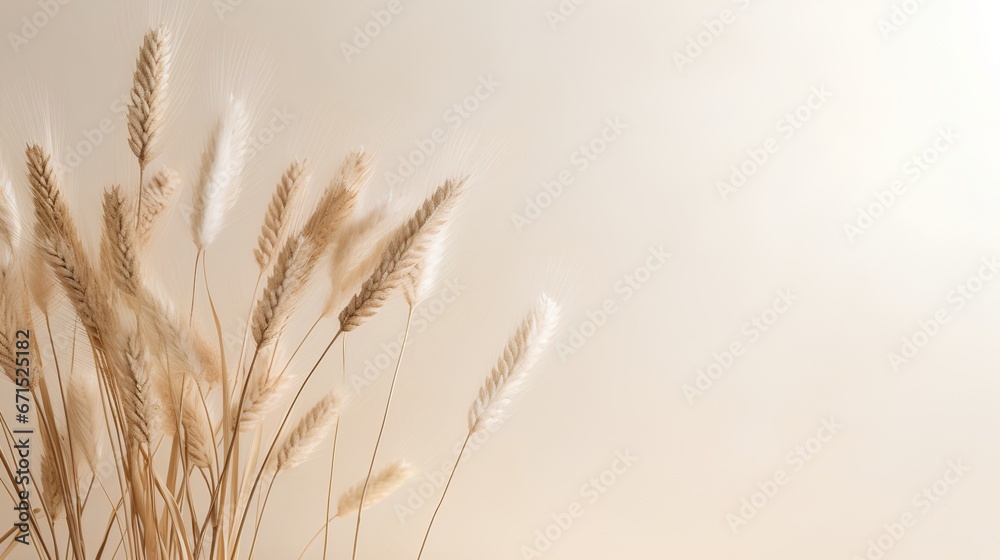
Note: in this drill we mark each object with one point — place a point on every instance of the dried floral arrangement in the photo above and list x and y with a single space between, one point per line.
145 402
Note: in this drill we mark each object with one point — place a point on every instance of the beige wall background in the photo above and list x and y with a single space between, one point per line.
809 417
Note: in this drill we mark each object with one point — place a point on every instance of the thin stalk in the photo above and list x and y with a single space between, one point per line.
194 285
381 430
443 494
274 442
333 457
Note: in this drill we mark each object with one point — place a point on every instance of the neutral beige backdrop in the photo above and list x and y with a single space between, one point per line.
894 81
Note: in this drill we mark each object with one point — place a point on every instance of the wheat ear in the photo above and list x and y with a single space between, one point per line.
407 247
307 435
64 250
520 355
119 250
382 484
149 95
338 200
357 250
266 385
157 194
52 492
280 212
141 409
222 163
507 378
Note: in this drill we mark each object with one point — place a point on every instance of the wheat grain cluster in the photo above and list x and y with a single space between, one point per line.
151 442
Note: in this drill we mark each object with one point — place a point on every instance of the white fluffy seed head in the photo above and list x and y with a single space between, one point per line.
218 182
509 375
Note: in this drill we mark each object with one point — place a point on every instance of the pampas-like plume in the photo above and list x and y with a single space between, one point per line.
280 211
10 222
83 418
218 182
519 356
381 486
157 194
149 95
407 248
307 435
119 251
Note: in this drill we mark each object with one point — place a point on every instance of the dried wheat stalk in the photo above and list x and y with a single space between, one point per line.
278 219
307 435
382 485
149 95
404 251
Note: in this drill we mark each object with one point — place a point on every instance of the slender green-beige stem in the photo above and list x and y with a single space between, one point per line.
381 430
333 457
443 494
194 285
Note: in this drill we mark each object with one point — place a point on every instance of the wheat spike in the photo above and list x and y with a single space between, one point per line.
83 417
266 385
518 358
408 247
138 402
307 435
357 250
157 194
149 95
382 484
338 200
285 285
119 250
186 397
218 182
280 211
63 249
